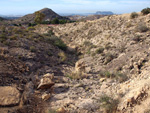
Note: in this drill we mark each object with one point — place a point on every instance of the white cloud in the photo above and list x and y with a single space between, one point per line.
135 2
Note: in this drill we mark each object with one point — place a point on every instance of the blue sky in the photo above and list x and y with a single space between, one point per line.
22 7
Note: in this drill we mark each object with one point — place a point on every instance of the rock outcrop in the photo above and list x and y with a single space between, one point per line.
46 81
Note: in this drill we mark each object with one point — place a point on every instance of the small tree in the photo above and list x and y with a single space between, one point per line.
38 17
133 15
55 21
145 11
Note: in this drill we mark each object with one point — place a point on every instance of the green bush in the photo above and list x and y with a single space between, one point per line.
13 37
76 75
117 75
31 24
55 21
134 15
109 104
109 57
87 43
30 28
142 28
32 49
145 11
57 42
62 56
50 33
3 37
137 38
99 50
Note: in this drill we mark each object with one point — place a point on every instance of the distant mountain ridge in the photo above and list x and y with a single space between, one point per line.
104 13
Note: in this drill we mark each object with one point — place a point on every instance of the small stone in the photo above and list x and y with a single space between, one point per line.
45 96
102 79
61 110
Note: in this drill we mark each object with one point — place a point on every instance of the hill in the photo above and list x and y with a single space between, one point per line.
49 15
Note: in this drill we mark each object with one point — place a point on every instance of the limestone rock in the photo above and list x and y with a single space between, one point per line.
61 110
45 96
102 79
80 66
9 96
46 82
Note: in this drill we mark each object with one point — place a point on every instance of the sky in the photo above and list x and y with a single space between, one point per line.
22 7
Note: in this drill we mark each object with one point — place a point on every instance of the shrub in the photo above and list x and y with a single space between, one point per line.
31 28
57 42
49 53
3 37
52 111
134 15
13 37
50 33
60 44
109 104
109 57
108 45
76 75
39 17
99 50
87 43
55 21
62 56
142 28
137 38
32 49
117 75
31 24
145 11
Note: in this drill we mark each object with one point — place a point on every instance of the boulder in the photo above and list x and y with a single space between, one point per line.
9 96
46 82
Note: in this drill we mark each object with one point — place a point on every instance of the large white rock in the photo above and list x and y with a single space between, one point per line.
46 82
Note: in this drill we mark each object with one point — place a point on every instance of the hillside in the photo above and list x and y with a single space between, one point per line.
98 66
84 18
114 55
1 19
49 15
25 56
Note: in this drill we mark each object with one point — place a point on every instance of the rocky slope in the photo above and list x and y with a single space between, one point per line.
113 60
25 56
